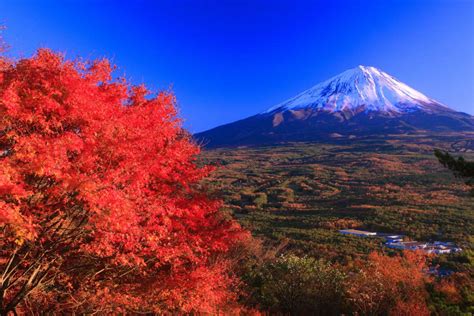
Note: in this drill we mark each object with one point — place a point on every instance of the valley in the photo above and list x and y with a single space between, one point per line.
303 193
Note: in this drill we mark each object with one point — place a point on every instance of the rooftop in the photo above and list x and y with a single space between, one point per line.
357 232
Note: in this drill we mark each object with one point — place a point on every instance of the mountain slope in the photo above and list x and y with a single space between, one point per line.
362 101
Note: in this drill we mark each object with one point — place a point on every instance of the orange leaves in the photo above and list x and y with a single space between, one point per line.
21 228
10 184
453 286
385 284
107 178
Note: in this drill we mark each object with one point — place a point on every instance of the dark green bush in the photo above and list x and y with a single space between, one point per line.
299 286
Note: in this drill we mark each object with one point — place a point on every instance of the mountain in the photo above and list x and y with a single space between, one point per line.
360 102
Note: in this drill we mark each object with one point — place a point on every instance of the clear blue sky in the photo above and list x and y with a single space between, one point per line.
227 60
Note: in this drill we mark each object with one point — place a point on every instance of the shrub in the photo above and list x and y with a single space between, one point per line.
300 285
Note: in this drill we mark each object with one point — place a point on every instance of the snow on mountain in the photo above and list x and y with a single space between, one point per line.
361 88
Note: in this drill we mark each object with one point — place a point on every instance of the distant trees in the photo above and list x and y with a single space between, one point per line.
260 200
460 167
100 207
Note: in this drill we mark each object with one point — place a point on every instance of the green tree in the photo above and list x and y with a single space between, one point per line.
260 200
460 167
300 286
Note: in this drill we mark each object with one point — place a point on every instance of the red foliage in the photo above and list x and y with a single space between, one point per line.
451 287
100 206
389 285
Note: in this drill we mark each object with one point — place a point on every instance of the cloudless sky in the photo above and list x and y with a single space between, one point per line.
227 60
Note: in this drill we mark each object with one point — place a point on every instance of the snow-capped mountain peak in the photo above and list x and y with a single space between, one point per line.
360 102
362 88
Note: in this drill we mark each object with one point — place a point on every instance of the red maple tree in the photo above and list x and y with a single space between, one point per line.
100 204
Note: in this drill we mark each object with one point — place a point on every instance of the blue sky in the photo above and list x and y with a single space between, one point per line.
227 60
